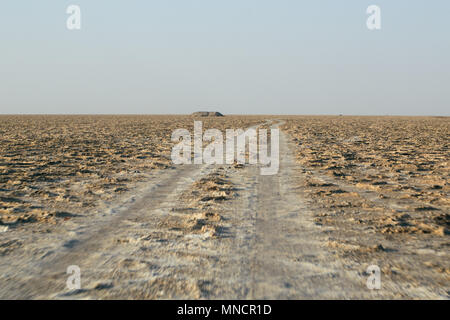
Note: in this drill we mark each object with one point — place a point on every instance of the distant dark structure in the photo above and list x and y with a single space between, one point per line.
207 114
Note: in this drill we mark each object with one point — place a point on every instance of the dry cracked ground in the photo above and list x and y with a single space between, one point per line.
101 193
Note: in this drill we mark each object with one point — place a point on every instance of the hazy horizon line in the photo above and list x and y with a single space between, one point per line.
231 114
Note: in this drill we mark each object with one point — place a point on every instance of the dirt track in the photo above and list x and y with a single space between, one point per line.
263 243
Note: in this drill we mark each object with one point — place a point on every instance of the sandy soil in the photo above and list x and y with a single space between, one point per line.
227 232
52 167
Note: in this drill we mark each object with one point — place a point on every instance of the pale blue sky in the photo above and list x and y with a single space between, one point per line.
235 56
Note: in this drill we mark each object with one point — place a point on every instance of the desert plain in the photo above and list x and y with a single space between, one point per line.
102 193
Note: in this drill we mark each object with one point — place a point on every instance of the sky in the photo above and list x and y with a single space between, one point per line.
232 56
